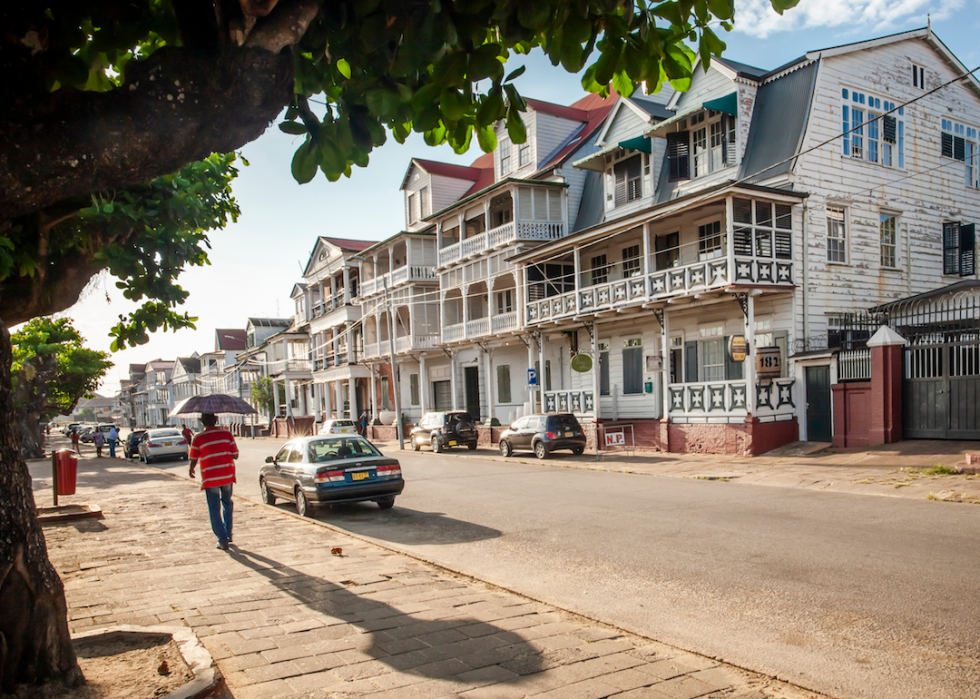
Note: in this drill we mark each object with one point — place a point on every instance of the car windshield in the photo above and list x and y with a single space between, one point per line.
164 433
331 449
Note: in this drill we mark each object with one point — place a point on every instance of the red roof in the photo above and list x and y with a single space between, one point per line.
225 339
558 110
349 244
459 172
599 108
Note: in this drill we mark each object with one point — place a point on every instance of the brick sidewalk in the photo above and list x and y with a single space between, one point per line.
283 617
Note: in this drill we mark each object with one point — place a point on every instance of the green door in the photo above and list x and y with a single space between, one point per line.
819 424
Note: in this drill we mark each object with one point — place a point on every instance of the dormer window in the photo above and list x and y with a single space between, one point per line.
412 217
524 155
710 137
506 162
424 201
629 180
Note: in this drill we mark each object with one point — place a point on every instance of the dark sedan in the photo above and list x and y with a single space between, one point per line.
312 471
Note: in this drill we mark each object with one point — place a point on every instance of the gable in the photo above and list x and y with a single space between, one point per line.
322 252
717 82
623 123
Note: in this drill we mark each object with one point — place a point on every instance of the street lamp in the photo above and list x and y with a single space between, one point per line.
391 354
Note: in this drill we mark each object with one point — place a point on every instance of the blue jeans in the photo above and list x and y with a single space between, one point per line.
112 448
219 498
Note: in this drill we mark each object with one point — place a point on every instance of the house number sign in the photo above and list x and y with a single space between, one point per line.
768 362
737 348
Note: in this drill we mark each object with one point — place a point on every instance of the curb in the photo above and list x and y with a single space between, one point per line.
208 683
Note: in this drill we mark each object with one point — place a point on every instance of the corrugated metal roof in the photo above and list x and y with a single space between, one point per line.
654 109
592 206
742 68
778 124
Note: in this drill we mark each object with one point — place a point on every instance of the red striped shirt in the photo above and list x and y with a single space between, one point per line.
216 451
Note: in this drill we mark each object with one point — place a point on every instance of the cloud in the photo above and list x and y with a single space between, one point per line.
757 18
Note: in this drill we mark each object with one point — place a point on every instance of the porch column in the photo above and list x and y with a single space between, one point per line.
373 398
486 215
452 379
442 313
462 226
338 394
289 402
750 365
490 284
347 296
541 374
490 382
333 291
466 306
351 349
438 242
646 258
577 258
886 386
423 385
665 366
351 398
730 237
596 378
275 399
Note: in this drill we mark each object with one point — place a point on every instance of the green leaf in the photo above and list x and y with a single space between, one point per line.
722 9
343 67
493 107
293 128
304 163
485 63
487 138
782 5
515 126
516 73
514 97
383 102
710 45
452 104
623 84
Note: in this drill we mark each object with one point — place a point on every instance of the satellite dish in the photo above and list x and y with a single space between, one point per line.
582 363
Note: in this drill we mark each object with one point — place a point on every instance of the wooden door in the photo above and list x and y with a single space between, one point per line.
819 421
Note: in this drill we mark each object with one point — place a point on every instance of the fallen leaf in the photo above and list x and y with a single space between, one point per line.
337 551
164 668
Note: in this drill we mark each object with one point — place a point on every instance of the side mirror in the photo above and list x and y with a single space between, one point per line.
270 459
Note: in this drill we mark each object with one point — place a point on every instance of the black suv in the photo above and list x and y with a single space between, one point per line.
444 430
542 434
131 447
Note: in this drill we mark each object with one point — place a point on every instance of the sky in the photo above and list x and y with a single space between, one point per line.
256 261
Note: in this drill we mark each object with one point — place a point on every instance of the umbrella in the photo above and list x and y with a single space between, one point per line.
214 403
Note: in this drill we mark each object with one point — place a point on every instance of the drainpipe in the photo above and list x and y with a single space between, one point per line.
805 275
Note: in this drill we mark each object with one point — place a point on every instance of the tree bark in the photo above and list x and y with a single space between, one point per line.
34 640
30 400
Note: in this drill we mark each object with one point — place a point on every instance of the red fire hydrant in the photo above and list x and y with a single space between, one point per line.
64 468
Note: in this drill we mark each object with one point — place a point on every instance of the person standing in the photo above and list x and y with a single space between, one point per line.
74 442
363 423
186 431
215 448
99 441
111 438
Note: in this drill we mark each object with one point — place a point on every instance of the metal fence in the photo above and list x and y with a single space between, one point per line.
854 365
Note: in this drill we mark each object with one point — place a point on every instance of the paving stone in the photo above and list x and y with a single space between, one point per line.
685 687
266 673
264 690
587 689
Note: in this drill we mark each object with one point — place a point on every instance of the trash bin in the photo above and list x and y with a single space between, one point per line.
65 463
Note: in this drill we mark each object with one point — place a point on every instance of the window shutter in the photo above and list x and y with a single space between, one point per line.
968 242
733 370
890 128
413 383
959 148
620 172
633 174
728 134
691 361
948 145
951 248
632 370
603 373
780 338
503 383
678 154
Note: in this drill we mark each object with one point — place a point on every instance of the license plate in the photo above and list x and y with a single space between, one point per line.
344 430
452 442
568 434
168 444
360 476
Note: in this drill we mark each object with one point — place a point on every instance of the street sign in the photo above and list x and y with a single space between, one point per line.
532 377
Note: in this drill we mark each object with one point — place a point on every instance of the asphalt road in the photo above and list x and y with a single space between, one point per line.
853 596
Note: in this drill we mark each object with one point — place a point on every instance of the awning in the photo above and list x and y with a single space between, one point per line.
596 161
727 104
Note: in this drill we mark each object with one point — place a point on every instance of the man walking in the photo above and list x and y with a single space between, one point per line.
215 448
112 437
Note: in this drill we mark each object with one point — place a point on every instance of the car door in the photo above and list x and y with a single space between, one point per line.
515 437
275 478
292 470
534 425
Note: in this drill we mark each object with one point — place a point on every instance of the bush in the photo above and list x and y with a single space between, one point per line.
494 422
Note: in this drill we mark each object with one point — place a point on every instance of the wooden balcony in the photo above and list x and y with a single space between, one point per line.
401 275
500 236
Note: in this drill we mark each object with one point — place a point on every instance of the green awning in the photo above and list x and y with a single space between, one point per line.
641 143
596 161
727 104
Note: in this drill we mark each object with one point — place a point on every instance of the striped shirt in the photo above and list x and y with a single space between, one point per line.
216 451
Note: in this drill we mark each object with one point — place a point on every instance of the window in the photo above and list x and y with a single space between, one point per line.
918 77
762 229
413 389
412 218
959 245
503 383
603 368
713 144
524 155
959 142
505 158
678 156
710 241
631 262
547 374
633 366
889 256
628 180
869 133
424 201
600 274
385 399
712 354
505 301
668 250
836 234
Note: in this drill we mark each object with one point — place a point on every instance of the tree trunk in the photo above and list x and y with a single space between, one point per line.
34 640
30 399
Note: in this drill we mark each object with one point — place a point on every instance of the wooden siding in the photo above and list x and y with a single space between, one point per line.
922 202
746 104
626 124
551 132
447 191
633 406
418 179
705 86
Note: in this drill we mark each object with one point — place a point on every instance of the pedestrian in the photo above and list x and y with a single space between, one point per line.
111 438
74 441
215 448
186 431
99 441
363 422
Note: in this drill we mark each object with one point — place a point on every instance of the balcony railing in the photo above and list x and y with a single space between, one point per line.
478 327
709 398
406 273
663 284
290 365
569 402
499 236
505 321
452 333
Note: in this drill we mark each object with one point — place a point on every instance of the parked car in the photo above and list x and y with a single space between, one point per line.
86 433
330 469
338 427
161 443
132 444
66 430
89 435
542 434
444 431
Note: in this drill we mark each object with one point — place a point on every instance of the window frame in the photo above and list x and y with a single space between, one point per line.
955 133
599 270
412 218
711 244
504 382
632 266
629 169
872 118
633 347
506 161
918 76
883 216
843 239
523 154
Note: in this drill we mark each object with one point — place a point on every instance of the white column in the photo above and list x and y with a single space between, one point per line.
596 377
442 312
490 382
486 215
372 399
423 385
541 373
333 291
289 402
730 239
665 341
338 394
577 260
351 393
530 365
465 289
646 257
750 359
347 295
275 399
452 380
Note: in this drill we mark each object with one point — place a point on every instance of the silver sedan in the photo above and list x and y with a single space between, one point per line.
162 443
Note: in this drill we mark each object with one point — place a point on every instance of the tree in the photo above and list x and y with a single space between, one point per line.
103 96
52 371
262 395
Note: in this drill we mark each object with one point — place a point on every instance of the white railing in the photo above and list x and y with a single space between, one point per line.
296 365
423 272
478 327
774 399
473 246
501 235
709 398
540 230
504 321
398 276
403 344
854 365
451 333
371 350
569 402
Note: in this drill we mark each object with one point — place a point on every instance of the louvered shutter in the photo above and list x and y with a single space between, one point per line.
634 183
948 145
620 173
678 155
604 373
968 243
890 129
951 248
632 370
959 148
728 133
691 361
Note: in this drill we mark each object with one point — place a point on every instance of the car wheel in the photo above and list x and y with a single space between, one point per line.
415 444
386 503
436 445
471 446
267 497
540 450
505 448
302 504
578 451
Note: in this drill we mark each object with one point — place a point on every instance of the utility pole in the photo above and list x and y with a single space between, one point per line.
394 370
